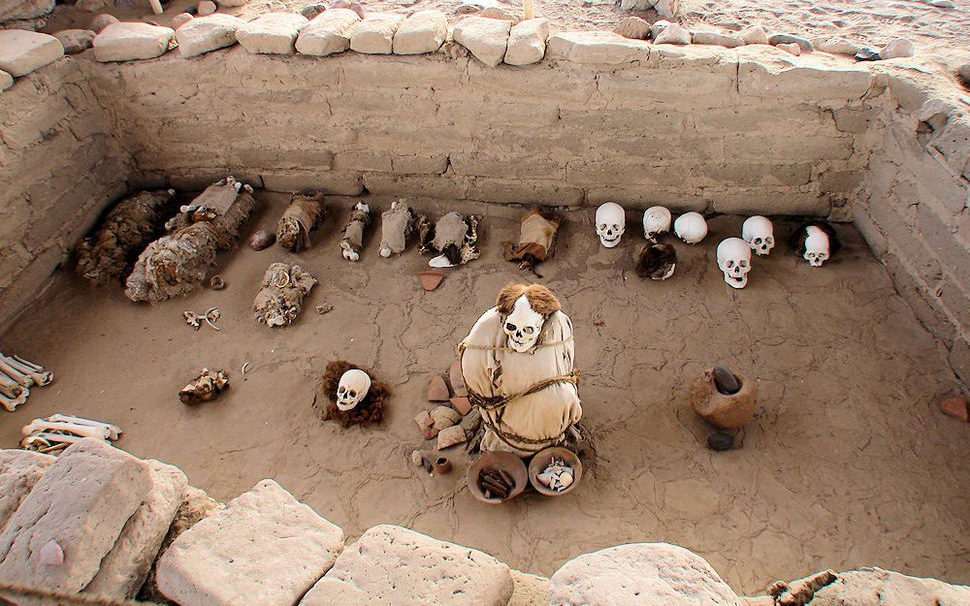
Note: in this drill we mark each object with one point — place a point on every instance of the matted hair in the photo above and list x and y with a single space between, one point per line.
540 299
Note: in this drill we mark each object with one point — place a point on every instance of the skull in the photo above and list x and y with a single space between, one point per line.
522 326
610 224
353 387
759 234
656 221
690 227
734 259
816 246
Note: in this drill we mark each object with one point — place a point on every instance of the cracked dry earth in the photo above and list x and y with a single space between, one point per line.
848 464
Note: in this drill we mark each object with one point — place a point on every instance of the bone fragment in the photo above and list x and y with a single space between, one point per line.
84 431
38 441
10 388
37 373
14 374
11 404
114 432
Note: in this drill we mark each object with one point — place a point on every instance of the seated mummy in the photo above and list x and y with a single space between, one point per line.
537 235
303 215
517 363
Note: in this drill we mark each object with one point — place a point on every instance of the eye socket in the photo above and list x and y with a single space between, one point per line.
730 264
510 327
769 240
529 330
352 393
742 263
757 240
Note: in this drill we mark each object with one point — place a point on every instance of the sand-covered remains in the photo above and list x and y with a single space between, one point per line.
848 463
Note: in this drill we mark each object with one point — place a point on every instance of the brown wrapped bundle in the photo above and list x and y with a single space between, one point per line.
108 254
353 238
537 236
369 410
302 216
397 224
280 299
454 237
176 264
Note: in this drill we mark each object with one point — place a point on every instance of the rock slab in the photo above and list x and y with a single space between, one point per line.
485 38
375 34
13 10
131 42
634 28
20 470
271 33
75 41
422 32
22 52
328 33
527 42
264 548
125 568
6 80
206 34
394 565
82 502
877 587
596 47
639 574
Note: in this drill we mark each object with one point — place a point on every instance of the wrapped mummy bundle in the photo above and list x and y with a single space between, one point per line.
107 254
302 216
177 263
353 238
280 299
454 237
537 236
397 224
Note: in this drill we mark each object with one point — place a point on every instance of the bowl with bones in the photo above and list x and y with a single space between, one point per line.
555 471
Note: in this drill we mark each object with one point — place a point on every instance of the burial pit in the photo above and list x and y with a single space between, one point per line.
848 462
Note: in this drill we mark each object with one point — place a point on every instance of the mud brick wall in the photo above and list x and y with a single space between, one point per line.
59 168
913 205
701 128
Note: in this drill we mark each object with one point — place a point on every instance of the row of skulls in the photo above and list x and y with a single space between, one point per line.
733 254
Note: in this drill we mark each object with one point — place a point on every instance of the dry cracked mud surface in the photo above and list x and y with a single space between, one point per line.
849 463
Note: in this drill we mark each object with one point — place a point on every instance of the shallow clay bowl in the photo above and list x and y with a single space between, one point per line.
498 460
542 459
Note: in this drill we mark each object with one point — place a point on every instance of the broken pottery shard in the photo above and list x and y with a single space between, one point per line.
450 436
485 38
422 32
424 420
457 381
20 470
264 548
206 34
205 388
125 231
438 390
22 52
444 417
328 33
131 41
389 564
83 502
280 299
430 279
124 569
375 34
75 41
956 408
640 574
271 33
461 404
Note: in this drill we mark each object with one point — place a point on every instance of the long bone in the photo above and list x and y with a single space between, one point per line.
14 374
11 404
37 373
85 431
9 387
38 441
114 432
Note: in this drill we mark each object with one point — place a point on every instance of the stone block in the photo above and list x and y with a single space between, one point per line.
804 83
20 470
877 587
375 34
715 39
206 34
264 548
271 33
125 568
596 47
131 42
13 10
422 32
527 42
485 38
75 41
82 502
633 27
22 52
328 33
394 565
639 573
6 80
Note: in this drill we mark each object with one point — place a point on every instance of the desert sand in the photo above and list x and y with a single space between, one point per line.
849 462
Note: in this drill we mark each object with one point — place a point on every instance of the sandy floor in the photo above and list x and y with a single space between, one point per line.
848 464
